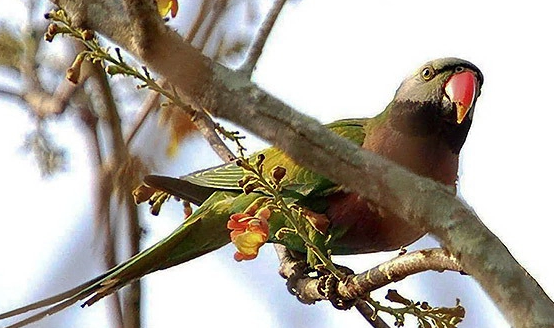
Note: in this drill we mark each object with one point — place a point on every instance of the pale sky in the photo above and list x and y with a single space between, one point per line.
331 60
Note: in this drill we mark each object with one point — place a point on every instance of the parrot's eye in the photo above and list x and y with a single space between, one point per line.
459 69
427 73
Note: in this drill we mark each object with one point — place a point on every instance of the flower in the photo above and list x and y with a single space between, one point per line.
164 6
249 232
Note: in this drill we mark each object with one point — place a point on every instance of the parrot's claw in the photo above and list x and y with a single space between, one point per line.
328 285
299 269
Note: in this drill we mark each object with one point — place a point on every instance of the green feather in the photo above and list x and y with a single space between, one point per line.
298 178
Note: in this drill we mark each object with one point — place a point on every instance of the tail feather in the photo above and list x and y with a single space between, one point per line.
109 282
183 189
204 231
55 303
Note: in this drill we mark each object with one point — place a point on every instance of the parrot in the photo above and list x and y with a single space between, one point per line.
422 129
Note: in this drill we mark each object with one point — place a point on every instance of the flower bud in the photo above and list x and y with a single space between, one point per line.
51 32
246 179
278 173
87 35
49 15
250 187
143 193
114 69
74 72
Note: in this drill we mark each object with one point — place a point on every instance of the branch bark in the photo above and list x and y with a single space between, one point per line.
357 286
231 95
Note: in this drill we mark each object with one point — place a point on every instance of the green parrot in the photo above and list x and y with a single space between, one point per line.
422 129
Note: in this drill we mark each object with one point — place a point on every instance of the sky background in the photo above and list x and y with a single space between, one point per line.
330 60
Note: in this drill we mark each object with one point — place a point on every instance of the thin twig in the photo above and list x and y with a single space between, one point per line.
132 300
147 106
102 215
200 18
217 11
103 227
9 92
202 120
41 102
119 156
367 312
207 127
255 50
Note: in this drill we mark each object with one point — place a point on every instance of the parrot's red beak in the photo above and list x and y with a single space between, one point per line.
461 89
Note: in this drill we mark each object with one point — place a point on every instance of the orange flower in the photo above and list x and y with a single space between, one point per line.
249 233
164 6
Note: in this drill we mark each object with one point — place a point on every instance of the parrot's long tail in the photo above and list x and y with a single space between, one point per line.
99 287
201 233
56 303
152 259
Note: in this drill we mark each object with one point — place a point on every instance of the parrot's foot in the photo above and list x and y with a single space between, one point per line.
293 268
309 285
328 285
299 270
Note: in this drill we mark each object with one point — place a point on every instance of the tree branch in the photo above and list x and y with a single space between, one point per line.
109 185
367 312
200 18
420 201
295 269
200 118
257 46
308 290
397 269
151 102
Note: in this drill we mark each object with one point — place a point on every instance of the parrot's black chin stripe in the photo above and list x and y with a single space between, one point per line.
428 119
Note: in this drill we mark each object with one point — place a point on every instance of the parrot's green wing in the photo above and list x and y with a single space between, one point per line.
297 179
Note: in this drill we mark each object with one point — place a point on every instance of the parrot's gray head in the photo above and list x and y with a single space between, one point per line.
438 100
451 83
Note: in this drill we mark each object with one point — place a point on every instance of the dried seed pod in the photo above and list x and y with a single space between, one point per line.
393 296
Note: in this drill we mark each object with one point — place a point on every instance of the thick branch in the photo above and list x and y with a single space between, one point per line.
422 202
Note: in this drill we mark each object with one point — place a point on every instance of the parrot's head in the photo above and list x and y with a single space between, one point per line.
438 97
